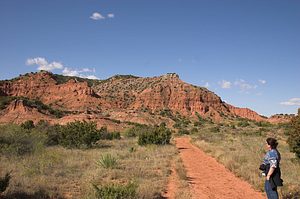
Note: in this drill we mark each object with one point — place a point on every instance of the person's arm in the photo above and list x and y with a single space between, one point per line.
271 170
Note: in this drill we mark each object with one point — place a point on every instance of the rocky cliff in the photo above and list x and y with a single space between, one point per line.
121 97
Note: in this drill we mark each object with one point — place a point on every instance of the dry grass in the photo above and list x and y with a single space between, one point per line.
241 150
71 173
183 190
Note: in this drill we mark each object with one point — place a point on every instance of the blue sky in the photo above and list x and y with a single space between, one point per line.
246 51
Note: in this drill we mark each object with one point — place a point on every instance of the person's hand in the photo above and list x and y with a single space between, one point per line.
268 177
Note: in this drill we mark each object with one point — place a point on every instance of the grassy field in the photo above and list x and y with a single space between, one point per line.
40 171
241 149
57 172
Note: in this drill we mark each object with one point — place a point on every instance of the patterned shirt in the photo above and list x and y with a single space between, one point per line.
272 157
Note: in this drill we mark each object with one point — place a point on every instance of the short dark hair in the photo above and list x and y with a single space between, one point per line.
272 142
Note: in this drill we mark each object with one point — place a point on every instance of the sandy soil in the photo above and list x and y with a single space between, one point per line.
209 179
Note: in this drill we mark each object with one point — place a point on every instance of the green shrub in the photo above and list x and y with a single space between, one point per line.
15 140
294 135
116 191
28 124
194 130
107 161
181 122
215 129
156 135
79 134
136 130
4 182
263 124
197 123
243 123
105 135
166 113
4 101
53 135
183 132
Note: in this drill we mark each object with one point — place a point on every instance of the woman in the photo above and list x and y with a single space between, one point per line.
271 168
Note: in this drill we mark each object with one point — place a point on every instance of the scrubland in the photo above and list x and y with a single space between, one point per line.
45 164
118 165
240 147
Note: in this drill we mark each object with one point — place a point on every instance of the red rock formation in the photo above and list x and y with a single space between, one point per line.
246 113
17 112
281 118
121 94
72 96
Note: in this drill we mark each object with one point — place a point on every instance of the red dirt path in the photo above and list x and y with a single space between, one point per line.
209 179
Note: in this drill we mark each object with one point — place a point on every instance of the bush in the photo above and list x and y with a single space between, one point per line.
136 130
181 122
263 124
294 135
53 135
115 191
214 129
156 135
4 182
28 124
78 135
107 161
243 123
5 100
15 140
183 132
105 135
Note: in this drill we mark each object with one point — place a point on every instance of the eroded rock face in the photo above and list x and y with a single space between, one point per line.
72 96
281 118
119 94
246 113
17 112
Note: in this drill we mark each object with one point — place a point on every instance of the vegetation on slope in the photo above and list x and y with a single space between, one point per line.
33 103
294 135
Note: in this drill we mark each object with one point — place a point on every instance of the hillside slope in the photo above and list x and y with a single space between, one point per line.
121 97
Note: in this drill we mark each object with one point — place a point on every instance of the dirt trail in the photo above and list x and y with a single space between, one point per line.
209 179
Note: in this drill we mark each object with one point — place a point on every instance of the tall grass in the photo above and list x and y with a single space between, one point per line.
107 161
71 173
241 150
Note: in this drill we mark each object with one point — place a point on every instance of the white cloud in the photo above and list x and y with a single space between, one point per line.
91 77
244 86
262 81
70 72
43 64
111 15
292 102
97 16
225 84
78 73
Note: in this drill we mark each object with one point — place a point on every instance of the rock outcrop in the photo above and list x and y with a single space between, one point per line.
17 112
122 97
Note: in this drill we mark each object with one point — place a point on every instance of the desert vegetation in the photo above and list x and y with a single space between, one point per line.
33 103
240 146
294 135
80 160
44 161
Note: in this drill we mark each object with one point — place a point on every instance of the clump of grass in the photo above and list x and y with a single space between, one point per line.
183 190
116 191
107 161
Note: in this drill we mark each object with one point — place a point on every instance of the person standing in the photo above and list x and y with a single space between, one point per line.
271 169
